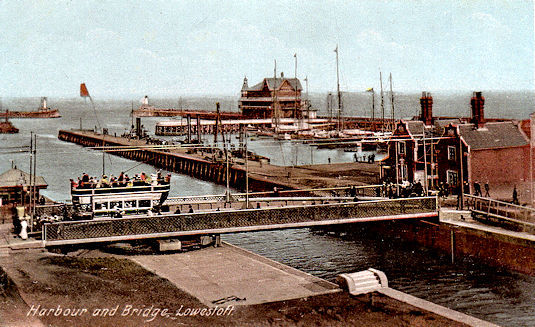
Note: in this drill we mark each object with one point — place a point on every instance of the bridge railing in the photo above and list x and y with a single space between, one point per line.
501 210
236 220
362 191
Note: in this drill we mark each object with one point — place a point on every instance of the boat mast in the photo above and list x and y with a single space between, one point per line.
307 103
275 100
392 102
382 103
338 91
295 77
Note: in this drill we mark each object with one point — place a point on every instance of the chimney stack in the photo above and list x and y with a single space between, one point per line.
426 102
478 111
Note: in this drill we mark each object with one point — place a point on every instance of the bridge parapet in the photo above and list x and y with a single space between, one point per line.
232 221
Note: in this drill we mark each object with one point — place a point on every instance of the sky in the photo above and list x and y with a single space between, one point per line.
179 48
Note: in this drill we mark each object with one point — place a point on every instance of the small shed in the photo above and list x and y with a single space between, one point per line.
15 185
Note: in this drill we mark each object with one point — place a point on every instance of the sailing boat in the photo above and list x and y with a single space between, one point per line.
42 112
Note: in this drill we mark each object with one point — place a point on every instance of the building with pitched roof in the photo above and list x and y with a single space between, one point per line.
15 183
494 153
405 160
272 95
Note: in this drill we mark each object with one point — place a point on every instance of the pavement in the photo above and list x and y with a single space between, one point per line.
462 218
232 275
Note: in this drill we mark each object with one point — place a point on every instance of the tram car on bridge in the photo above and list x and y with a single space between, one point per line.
118 198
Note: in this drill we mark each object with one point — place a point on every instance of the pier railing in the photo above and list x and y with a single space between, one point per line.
216 222
507 214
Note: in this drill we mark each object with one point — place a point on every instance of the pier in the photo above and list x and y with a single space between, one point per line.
196 163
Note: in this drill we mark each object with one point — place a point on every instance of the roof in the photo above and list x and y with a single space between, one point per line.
276 82
16 177
441 123
493 136
416 127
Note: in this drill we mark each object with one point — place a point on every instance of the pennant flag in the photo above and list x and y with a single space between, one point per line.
370 89
83 91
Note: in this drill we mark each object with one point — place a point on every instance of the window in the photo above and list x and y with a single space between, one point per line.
401 146
452 177
451 153
144 203
404 176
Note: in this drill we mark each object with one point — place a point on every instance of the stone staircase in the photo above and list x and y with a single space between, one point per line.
363 282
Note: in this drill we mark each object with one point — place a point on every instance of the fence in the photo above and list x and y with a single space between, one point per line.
502 212
235 220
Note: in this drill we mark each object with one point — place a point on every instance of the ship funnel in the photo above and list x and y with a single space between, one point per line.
43 103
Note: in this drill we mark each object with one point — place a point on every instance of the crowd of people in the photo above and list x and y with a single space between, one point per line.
123 180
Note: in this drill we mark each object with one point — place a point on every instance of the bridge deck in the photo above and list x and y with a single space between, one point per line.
232 221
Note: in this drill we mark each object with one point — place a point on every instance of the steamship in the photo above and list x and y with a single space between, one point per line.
42 112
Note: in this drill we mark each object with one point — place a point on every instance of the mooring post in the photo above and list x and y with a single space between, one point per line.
452 246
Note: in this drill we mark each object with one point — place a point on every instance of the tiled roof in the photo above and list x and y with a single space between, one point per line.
493 135
417 127
441 123
17 177
276 82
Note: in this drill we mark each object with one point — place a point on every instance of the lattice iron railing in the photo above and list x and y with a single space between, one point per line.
360 191
235 219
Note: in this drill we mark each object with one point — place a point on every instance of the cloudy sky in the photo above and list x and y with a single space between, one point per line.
176 48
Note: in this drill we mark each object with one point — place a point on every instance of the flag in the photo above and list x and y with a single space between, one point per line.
295 55
336 50
83 90
370 89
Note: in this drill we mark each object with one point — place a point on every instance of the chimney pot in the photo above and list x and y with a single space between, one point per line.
478 109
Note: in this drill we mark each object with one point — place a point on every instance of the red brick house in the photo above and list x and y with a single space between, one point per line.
496 153
405 159
258 101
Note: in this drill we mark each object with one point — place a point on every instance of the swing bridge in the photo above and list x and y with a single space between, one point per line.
215 215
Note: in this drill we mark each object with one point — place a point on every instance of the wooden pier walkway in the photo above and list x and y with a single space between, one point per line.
262 175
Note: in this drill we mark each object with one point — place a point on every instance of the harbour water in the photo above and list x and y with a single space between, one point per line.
499 296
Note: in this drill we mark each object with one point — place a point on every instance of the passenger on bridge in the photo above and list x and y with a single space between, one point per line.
104 181
177 211
92 182
190 209
73 184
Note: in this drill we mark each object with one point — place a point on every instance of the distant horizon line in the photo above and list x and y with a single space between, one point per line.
237 95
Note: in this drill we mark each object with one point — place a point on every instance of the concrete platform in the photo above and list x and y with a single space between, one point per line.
230 275
453 217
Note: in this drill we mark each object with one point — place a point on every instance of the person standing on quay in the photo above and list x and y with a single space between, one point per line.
477 189
515 196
